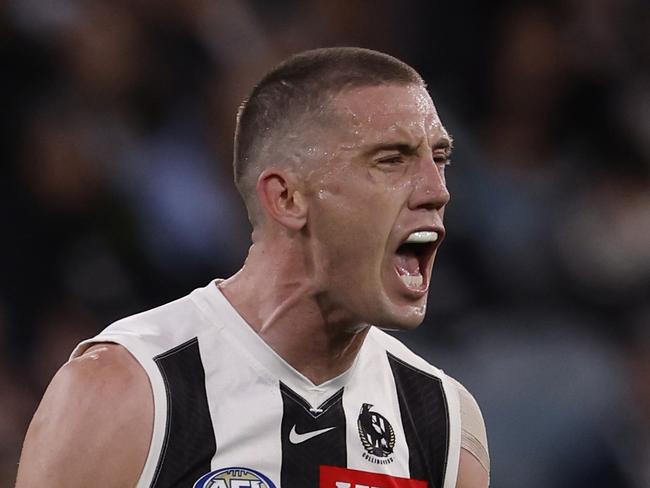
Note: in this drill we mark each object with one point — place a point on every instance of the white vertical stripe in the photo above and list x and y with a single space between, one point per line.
245 407
374 384
453 453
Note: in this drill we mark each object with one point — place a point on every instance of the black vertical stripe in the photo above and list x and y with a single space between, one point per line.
425 418
189 442
301 461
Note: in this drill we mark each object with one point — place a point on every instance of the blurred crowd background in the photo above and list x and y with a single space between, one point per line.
116 195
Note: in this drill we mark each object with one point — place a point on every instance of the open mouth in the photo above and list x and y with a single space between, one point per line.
413 257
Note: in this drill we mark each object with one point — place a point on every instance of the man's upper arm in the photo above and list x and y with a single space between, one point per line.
93 426
474 466
471 474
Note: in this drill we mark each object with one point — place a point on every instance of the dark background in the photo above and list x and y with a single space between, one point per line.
116 195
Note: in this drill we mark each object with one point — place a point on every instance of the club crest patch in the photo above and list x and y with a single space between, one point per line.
234 478
377 436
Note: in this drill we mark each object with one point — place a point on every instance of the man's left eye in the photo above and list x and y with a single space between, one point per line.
442 160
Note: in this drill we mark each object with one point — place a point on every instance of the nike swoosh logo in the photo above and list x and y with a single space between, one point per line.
296 438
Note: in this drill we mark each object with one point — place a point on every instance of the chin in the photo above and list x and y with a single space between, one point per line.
389 309
402 318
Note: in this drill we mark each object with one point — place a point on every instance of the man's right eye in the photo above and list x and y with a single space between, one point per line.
391 159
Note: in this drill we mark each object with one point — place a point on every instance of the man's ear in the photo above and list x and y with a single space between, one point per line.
282 198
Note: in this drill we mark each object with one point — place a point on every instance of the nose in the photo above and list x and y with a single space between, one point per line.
429 186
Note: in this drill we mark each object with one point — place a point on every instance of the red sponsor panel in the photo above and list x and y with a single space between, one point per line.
333 477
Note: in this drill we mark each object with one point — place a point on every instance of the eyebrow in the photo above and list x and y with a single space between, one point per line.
445 143
401 147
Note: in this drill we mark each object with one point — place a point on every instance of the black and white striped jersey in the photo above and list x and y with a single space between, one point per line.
230 413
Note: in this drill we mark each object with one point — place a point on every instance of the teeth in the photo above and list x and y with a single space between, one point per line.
412 281
422 236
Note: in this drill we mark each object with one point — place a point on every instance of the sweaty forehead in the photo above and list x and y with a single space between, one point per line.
388 108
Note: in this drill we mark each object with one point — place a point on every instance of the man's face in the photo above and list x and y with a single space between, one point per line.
376 203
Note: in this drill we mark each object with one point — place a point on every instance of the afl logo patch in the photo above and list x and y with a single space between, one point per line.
234 478
377 436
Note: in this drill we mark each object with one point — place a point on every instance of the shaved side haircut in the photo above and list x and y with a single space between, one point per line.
295 95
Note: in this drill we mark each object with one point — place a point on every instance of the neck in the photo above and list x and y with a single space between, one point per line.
284 303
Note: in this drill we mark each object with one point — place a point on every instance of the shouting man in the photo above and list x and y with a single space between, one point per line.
281 375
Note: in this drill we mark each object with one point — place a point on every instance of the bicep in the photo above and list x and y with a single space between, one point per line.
471 473
93 426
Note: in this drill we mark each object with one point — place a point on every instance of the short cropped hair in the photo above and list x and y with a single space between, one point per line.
296 92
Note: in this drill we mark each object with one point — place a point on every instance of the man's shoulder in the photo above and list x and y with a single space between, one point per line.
105 381
112 364
100 407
